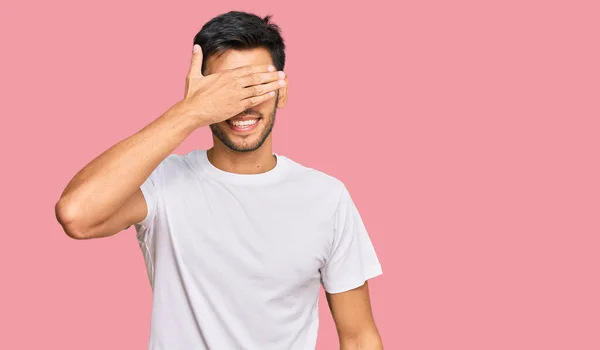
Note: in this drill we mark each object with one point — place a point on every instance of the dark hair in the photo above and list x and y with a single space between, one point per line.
241 30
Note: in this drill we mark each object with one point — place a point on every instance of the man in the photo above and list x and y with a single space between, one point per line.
237 239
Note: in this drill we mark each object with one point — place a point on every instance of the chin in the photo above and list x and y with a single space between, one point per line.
244 133
244 141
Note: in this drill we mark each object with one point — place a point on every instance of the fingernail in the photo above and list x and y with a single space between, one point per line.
282 75
282 82
272 93
271 69
196 48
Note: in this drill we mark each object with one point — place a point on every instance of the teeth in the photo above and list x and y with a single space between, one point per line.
244 123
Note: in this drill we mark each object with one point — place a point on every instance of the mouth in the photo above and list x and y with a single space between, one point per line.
243 124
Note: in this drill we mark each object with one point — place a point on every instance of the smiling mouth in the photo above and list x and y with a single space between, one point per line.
243 124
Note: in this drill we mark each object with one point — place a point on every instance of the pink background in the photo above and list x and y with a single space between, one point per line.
467 132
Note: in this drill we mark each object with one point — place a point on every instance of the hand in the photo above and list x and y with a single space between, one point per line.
220 96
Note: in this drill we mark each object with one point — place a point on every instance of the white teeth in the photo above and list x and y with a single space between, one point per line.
244 123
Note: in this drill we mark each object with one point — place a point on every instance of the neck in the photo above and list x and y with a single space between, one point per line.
254 162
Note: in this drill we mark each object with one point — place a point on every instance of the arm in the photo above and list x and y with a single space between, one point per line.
105 197
354 320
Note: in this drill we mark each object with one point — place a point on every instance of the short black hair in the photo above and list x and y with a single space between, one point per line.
240 31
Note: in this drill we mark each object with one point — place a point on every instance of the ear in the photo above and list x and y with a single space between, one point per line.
283 93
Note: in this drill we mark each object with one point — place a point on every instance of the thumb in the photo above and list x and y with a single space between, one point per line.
196 65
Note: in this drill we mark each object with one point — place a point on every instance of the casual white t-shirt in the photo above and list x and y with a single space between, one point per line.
236 261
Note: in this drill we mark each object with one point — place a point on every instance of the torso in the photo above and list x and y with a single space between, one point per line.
235 261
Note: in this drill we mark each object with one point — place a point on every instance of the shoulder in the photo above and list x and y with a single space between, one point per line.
175 167
176 161
312 179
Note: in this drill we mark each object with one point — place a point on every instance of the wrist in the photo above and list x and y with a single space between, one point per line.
189 116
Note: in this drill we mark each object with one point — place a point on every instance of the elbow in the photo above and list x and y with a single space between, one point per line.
69 219
362 341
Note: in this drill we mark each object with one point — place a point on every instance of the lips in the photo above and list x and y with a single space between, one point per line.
243 124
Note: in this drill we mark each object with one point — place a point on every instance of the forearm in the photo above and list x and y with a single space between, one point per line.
104 184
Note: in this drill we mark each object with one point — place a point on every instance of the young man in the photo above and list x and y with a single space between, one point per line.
237 239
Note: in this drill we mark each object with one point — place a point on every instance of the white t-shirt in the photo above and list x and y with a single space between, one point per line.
236 261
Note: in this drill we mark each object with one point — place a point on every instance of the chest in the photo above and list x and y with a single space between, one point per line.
238 234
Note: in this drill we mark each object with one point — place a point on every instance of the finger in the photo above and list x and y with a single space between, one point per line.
256 100
258 90
196 64
251 69
260 78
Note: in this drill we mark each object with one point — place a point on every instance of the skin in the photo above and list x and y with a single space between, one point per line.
247 153
354 320
104 197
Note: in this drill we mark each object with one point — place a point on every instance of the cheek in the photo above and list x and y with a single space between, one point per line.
266 108
268 112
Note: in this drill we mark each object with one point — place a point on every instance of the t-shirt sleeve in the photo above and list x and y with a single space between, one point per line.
151 190
353 259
